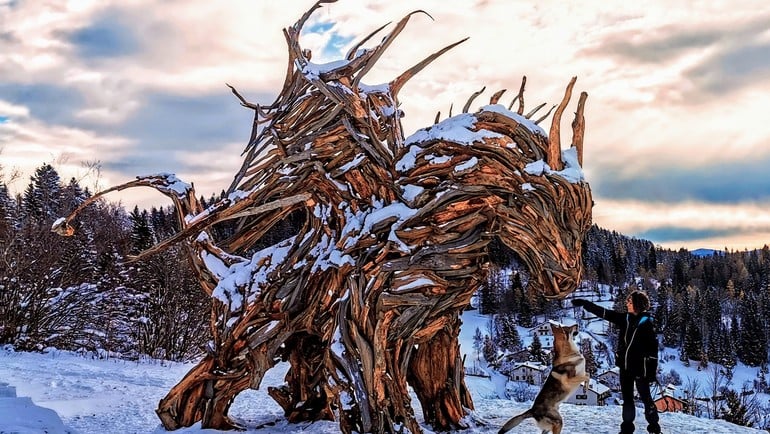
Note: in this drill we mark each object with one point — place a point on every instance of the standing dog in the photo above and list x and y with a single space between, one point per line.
567 372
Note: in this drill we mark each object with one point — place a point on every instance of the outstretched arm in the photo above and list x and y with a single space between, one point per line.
610 315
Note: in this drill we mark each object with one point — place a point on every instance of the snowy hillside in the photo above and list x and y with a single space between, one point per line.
115 396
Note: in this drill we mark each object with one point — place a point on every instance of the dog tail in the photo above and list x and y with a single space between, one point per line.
515 421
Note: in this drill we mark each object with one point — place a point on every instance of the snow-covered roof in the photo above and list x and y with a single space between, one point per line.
531 365
614 370
597 387
670 391
564 322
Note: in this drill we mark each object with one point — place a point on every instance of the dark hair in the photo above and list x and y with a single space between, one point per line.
640 300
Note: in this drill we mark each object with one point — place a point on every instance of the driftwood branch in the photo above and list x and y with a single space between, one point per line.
579 127
496 96
520 96
472 97
554 151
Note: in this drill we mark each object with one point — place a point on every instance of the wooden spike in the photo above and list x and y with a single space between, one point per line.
243 100
472 97
554 139
496 97
579 127
520 96
535 110
451 106
352 52
386 41
301 22
541 118
438 116
398 83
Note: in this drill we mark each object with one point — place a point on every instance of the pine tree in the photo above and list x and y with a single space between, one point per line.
735 410
506 334
536 352
488 294
760 383
141 232
680 278
8 215
72 196
619 263
526 312
39 282
511 299
667 318
42 197
710 309
652 260
752 349
77 262
693 342
735 330
489 350
12 293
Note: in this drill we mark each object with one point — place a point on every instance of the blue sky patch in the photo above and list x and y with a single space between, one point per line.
47 102
333 49
188 122
319 27
715 182
170 126
106 37
3 119
675 233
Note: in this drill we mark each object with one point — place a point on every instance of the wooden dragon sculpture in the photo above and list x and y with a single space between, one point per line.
365 299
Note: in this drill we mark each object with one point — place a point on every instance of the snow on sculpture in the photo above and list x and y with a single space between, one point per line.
365 299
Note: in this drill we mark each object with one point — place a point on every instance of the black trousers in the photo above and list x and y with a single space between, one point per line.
627 382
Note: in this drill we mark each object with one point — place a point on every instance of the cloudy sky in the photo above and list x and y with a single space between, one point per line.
678 129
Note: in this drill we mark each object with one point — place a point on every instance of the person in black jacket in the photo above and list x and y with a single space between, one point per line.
636 355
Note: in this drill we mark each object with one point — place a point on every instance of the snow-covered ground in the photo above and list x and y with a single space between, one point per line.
116 396
111 396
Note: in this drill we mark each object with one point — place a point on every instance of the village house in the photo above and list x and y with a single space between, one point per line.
670 399
593 393
529 372
541 330
519 356
544 334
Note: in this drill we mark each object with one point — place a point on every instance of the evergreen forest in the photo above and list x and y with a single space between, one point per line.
82 293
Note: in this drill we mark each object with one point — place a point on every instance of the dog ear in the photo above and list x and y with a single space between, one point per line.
555 327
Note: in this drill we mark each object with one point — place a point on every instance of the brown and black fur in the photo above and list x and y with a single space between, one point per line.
568 371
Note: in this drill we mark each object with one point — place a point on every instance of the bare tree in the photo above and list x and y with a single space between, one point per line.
716 384
692 391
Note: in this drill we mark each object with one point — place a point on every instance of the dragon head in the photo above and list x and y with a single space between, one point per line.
536 199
